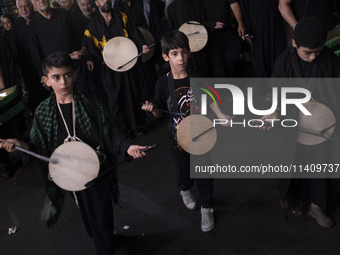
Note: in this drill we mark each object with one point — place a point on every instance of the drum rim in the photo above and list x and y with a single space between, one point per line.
301 137
188 119
134 50
51 165
201 27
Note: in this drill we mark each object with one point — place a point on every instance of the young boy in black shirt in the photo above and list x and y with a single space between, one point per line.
176 51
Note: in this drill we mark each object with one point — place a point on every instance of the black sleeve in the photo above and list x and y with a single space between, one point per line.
36 54
74 28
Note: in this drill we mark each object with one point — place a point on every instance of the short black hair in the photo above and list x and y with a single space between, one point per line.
56 59
310 32
174 39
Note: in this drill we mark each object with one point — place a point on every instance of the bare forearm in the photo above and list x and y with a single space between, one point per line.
235 7
287 12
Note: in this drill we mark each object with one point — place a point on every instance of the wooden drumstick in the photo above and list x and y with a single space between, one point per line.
194 33
36 155
120 67
88 184
204 132
168 112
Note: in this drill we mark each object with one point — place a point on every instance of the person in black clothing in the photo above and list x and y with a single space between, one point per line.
55 30
176 51
36 92
121 6
181 11
124 89
308 58
224 46
143 13
264 22
292 11
10 67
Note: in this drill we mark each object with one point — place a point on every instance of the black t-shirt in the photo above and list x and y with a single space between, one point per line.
185 99
59 33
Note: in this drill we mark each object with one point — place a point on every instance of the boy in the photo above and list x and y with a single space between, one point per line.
308 58
176 51
53 122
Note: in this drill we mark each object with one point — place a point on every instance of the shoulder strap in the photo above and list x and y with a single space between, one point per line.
172 92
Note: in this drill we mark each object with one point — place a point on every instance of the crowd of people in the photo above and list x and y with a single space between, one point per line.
53 54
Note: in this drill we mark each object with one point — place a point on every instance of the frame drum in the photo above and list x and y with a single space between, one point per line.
193 126
77 164
118 51
149 40
196 33
322 118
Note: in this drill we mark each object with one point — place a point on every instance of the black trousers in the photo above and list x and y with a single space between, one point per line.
184 182
96 208
317 191
223 55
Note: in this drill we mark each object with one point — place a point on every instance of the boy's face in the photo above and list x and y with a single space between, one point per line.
307 54
177 58
61 79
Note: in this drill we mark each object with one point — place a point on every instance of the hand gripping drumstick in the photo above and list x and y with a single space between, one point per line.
168 112
88 184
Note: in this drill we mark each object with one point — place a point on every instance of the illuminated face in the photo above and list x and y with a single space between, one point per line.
85 6
178 59
25 8
307 54
66 4
61 80
6 23
41 5
104 5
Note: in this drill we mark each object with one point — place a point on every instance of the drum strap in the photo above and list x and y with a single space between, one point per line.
172 91
69 137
